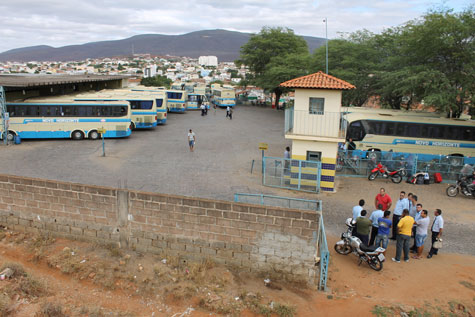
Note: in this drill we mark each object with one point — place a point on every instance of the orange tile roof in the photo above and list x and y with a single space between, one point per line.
318 80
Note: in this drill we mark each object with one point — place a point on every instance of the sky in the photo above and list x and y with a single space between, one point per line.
67 22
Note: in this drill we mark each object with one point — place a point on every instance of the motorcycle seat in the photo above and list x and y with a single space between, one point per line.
366 248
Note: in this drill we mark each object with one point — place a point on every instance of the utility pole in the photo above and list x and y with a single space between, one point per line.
326 45
3 108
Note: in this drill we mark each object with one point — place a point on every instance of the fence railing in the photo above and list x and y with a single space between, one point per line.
324 255
325 124
291 174
359 164
279 201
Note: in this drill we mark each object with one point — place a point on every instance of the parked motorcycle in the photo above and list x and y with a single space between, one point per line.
461 186
372 255
382 171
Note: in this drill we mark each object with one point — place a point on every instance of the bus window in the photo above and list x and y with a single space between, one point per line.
146 104
159 102
356 131
413 130
31 111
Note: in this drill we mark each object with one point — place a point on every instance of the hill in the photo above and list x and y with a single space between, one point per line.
221 43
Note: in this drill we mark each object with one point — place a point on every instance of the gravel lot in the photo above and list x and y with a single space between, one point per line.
159 160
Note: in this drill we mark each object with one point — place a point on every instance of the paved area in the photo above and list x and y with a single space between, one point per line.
159 160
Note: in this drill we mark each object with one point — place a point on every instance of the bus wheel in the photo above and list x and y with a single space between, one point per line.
11 136
93 135
456 160
77 135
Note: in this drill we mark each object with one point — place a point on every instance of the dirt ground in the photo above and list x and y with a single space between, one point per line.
71 278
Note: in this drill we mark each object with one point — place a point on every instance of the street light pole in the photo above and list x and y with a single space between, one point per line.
326 45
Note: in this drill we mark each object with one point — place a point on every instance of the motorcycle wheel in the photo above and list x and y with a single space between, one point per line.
452 191
342 249
397 178
373 176
375 263
339 165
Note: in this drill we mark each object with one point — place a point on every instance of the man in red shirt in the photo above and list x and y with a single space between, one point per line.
383 199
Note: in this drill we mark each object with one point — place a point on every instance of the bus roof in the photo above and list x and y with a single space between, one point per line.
350 117
70 103
391 111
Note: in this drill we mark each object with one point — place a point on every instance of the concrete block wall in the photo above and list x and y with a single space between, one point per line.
252 237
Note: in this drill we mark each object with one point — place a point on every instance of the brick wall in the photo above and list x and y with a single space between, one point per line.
252 237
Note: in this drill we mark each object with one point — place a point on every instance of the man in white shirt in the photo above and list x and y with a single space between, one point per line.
421 233
417 217
401 204
191 140
357 212
437 228
375 215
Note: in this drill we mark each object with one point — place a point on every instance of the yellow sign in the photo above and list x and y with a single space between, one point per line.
263 146
101 131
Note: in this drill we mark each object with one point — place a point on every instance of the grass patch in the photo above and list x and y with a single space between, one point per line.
5 304
468 285
17 269
49 309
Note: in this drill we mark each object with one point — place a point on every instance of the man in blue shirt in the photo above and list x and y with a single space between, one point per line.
384 226
375 215
401 204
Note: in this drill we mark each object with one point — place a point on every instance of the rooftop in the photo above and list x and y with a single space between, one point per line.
318 80
41 80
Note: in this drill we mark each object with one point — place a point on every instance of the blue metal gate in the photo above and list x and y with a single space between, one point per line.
291 174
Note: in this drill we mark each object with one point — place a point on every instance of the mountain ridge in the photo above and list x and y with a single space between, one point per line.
221 43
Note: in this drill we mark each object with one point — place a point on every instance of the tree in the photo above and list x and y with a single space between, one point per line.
354 60
273 56
157 81
431 59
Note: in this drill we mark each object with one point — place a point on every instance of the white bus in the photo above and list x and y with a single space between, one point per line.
428 136
68 119
143 108
176 100
224 97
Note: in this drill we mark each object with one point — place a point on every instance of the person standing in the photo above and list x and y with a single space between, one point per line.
404 227
363 226
383 199
231 113
191 140
421 233
417 216
203 109
227 111
375 215
401 204
286 159
412 205
384 227
437 228
357 212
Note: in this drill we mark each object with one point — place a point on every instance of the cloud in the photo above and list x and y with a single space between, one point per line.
59 22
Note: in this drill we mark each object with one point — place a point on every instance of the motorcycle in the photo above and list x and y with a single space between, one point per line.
372 255
461 186
382 171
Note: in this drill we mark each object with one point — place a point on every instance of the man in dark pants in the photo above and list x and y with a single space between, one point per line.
417 216
363 226
437 228
401 204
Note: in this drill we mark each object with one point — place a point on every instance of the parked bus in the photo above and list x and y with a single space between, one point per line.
224 97
176 100
428 136
143 108
68 119
160 97
195 100
394 112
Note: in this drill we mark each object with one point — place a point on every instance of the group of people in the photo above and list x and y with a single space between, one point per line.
408 220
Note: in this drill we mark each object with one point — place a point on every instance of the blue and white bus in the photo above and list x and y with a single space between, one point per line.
195 100
176 100
429 137
75 120
160 97
224 97
143 108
